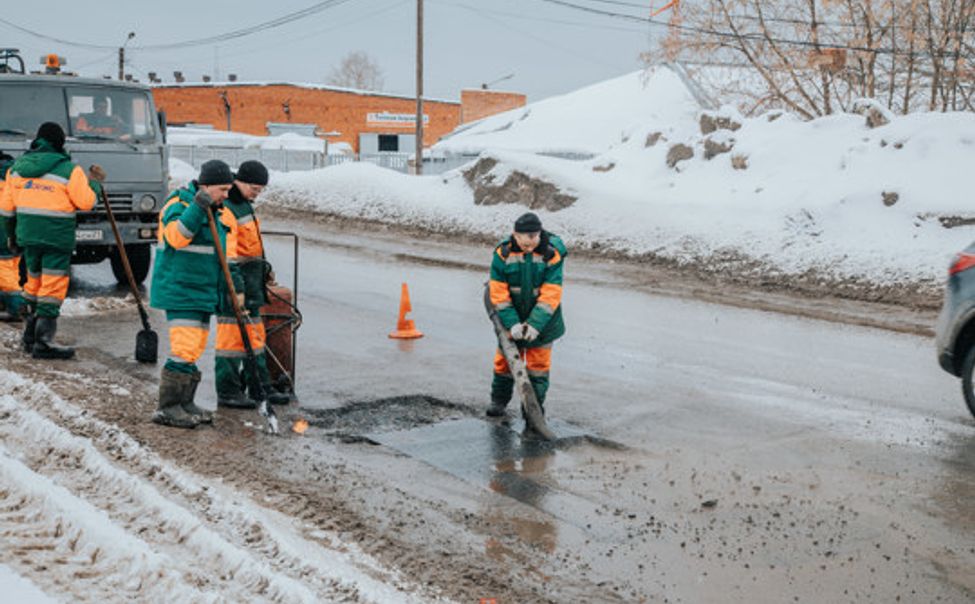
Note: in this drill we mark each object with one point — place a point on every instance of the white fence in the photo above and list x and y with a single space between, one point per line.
281 160
291 160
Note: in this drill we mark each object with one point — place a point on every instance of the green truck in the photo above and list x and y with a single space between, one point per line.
111 123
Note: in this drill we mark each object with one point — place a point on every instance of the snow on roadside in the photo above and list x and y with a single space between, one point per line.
81 307
86 525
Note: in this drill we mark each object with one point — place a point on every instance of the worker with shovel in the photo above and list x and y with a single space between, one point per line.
249 182
186 283
44 189
11 296
526 291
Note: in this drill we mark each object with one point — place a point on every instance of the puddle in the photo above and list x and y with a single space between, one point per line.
356 420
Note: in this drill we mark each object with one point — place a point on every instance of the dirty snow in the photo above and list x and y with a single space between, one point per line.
812 197
90 515
80 307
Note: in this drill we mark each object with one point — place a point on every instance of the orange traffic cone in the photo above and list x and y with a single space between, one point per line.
405 329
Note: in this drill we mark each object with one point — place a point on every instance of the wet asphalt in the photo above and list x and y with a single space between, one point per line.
708 451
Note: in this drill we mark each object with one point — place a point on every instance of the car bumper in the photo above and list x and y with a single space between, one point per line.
101 233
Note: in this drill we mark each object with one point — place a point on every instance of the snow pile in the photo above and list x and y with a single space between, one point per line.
175 537
584 122
831 198
203 137
81 307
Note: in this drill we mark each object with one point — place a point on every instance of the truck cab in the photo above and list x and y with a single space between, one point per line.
111 123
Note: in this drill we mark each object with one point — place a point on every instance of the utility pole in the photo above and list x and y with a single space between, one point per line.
419 87
121 56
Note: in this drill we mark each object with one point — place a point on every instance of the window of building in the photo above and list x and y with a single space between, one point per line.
388 142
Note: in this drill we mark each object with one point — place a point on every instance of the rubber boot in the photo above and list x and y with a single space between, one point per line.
236 401
30 323
497 408
173 386
202 416
274 397
44 346
13 307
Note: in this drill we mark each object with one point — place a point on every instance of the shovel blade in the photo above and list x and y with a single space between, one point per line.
147 346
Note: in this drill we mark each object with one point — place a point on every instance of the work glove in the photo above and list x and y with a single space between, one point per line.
203 200
240 302
518 331
96 172
530 333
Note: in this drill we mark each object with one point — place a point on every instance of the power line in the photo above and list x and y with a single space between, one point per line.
237 33
743 36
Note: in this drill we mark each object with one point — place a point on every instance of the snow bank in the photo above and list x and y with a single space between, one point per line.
830 197
587 121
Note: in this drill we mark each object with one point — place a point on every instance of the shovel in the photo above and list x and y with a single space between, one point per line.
146 341
519 371
250 362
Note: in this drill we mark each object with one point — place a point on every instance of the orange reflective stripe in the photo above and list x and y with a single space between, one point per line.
53 286
32 285
10 274
539 359
229 221
228 337
42 195
79 190
500 364
499 292
173 236
555 259
249 240
187 343
550 294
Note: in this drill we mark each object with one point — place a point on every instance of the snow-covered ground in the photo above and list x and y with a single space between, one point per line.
203 137
831 196
89 514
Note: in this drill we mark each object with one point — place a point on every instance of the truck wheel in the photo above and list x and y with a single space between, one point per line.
139 257
967 388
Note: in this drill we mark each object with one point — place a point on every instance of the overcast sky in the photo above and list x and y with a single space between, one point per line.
550 49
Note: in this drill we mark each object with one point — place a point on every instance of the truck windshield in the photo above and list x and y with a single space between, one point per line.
101 113
23 108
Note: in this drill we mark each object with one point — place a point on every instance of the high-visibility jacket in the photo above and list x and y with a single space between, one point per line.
187 273
44 190
6 212
250 247
528 287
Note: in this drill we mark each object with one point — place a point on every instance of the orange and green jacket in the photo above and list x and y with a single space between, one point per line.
187 274
250 248
44 190
6 215
528 287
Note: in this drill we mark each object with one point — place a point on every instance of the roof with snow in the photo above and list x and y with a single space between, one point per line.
306 85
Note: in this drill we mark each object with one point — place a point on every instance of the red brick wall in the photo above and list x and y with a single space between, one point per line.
476 104
252 106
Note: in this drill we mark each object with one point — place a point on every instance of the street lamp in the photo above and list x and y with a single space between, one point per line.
487 85
121 56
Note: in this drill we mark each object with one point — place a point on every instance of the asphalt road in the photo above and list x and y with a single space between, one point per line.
732 454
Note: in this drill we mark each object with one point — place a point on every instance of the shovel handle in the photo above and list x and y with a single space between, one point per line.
143 315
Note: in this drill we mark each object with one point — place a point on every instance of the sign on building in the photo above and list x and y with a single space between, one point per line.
386 118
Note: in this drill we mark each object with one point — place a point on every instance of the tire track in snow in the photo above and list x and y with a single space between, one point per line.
216 540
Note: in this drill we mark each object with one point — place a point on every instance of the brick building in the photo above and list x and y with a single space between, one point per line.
368 121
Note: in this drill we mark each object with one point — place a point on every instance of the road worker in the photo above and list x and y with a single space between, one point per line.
45 189
249 182
187 282
526 290
11 297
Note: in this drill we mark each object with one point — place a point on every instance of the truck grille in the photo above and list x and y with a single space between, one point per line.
121 202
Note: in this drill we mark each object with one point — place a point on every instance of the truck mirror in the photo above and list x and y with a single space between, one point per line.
161 116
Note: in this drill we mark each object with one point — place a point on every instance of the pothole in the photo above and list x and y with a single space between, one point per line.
357 418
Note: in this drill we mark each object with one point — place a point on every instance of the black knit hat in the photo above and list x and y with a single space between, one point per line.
528 223
252 172
53 133
215 172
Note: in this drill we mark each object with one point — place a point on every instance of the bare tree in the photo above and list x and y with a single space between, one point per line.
815 57
357 70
